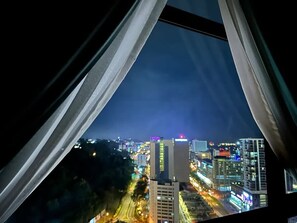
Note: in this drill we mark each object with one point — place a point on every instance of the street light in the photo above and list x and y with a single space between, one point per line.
105 217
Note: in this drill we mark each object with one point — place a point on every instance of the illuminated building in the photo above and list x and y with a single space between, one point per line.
169 159
169 166
227 147
226 171
205 171
164 201
203 155
221 152
253 194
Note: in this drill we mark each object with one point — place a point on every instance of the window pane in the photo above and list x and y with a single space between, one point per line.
291 184
183 85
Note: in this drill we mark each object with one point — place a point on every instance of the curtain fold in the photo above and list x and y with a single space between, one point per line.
69 122
259 85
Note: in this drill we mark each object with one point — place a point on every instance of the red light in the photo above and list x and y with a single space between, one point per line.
181 136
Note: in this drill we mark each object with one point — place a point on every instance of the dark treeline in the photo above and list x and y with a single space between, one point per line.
140 191
88 180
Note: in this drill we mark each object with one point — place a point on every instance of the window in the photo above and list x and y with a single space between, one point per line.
291 184
275 176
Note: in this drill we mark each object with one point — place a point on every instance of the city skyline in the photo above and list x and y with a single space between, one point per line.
181 83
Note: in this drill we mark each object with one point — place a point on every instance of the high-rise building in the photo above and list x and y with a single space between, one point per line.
254 172
169 165
164 201
226 171
159 159
205 171
181 160
169 159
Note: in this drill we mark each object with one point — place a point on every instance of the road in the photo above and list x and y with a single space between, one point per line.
126 210
220 207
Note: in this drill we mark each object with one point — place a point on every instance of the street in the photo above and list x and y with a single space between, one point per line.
126 210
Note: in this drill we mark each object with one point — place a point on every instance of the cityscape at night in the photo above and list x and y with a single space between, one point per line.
149 111
157 99
176 179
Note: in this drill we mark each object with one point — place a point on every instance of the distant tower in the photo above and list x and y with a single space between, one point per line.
199 146
141 160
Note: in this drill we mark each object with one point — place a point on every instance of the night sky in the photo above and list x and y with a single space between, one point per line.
181 83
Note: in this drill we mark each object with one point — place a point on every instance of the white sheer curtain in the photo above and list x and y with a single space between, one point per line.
258 87
63 129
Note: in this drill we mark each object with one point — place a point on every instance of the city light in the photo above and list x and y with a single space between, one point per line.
181 140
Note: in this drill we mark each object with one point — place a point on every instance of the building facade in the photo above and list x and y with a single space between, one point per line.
254 172
226 171
199 146
169 159
164 201
169 166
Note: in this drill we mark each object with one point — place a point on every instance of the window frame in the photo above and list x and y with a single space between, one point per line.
280 205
